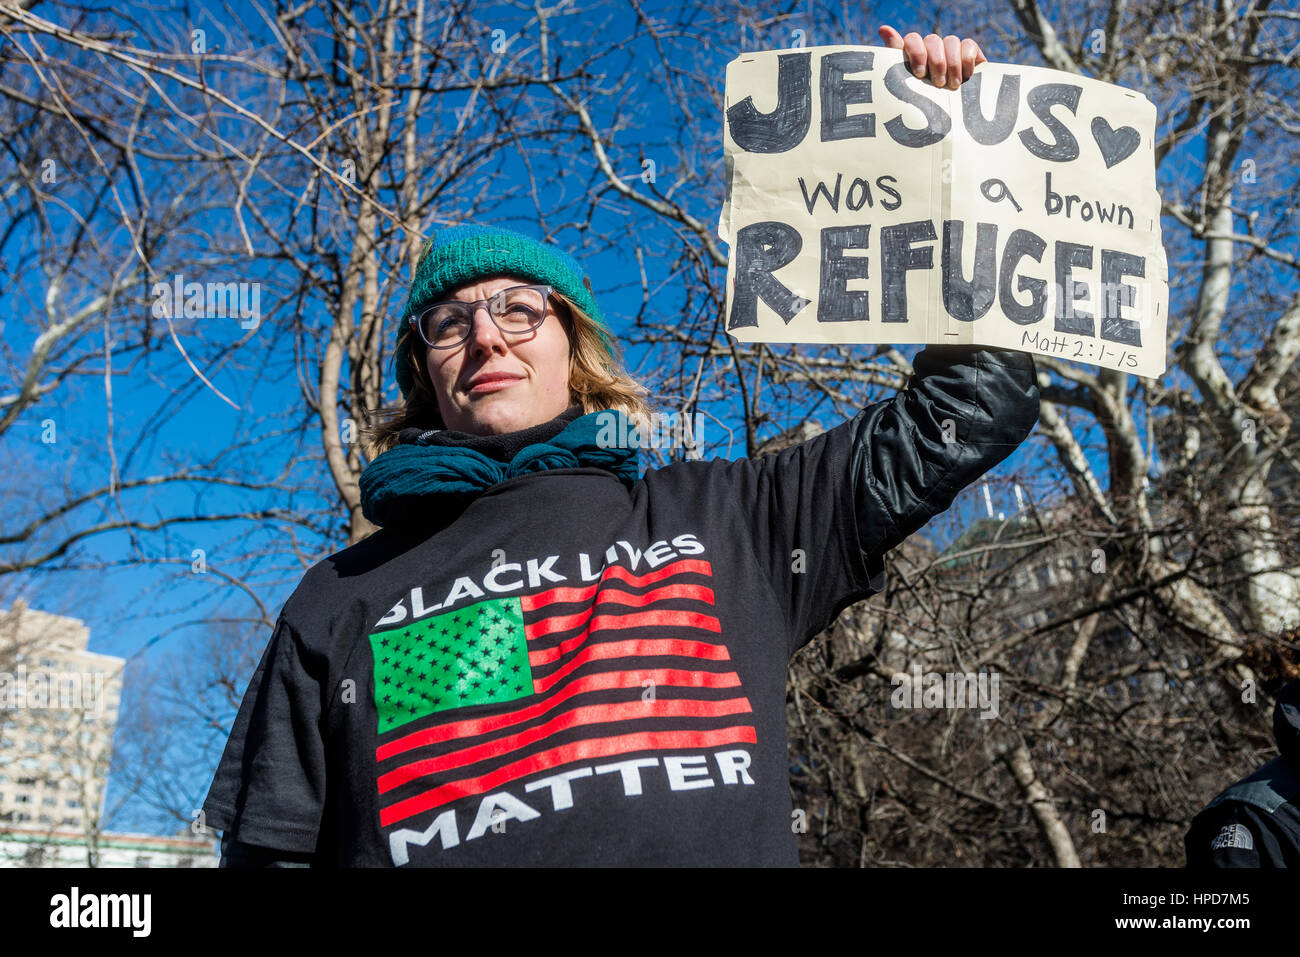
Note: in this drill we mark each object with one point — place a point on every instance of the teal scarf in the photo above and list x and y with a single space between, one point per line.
412 477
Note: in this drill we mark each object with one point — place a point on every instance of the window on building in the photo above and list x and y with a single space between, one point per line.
21 816
70 820
73 804
44 819
21 798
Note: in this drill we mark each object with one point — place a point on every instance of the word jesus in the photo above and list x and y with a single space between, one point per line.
786 126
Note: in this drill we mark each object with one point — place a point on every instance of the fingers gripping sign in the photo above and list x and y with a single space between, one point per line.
946 61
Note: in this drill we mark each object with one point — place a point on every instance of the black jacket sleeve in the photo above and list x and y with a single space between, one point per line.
1235 835
965 409
820 515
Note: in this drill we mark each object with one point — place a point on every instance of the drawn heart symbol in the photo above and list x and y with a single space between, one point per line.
1116 145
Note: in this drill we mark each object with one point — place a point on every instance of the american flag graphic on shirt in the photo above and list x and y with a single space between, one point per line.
628 663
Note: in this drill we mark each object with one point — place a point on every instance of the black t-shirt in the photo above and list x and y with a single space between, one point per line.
567 672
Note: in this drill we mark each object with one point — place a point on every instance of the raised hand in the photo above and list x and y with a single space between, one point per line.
946 60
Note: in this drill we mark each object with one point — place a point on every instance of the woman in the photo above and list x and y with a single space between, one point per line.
544 656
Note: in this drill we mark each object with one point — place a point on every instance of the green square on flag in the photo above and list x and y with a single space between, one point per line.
473 655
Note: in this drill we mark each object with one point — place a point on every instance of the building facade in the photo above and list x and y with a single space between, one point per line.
58 710
24 846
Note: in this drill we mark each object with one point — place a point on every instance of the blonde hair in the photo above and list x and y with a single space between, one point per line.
597 381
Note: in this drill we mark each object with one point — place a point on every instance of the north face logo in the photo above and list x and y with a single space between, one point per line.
1233 835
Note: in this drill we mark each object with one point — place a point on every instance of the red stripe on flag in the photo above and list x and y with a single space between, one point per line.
644 619
565 754
660 618
662 593
535 603
605 650
604 681
556 595
548 626
568 593
545 656
591 714
689 565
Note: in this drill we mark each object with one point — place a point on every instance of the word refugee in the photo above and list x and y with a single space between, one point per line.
763 248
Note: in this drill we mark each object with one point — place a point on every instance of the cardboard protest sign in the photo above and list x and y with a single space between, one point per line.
865 205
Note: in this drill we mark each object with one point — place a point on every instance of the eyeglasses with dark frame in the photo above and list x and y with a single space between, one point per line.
516 310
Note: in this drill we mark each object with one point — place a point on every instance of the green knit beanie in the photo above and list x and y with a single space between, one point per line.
459 254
